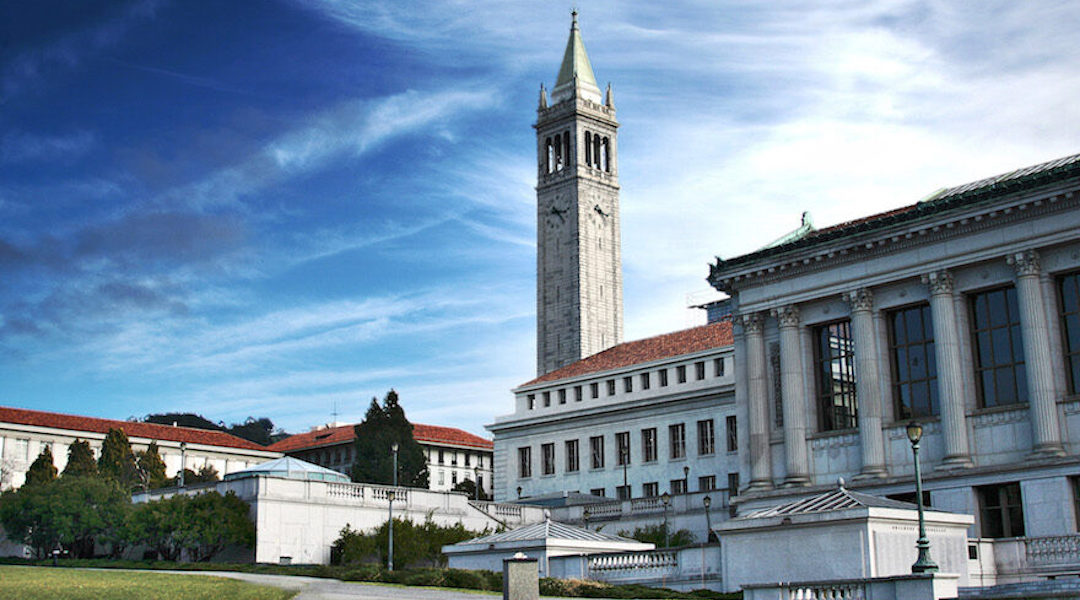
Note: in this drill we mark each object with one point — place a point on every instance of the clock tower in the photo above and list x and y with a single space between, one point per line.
578 262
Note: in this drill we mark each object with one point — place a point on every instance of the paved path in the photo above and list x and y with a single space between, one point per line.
317 588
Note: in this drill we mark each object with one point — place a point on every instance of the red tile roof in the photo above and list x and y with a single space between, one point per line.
687 341
151 431
343 434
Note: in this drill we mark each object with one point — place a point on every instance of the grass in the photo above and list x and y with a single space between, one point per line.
32 583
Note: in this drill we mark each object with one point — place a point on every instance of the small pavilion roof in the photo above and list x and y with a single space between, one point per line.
833 500
547 531
290 468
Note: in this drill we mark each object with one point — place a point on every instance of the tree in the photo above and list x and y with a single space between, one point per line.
184 420
469 487
206 474
255 430
202 525
151 468
80 462
72 512
117 461
658 534
382 427
42 470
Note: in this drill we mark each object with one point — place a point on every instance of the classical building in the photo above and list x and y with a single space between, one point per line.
578 257
961 311
25 433
453 455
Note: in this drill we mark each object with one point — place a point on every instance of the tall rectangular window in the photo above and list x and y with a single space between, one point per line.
677 437
645 381
628 384
577 393
680 374
834 360
732 434
571 456
562 396
524 462
442 456
648 444
610 387
622 492
733 484
532 401
1069 291
699 370
596 451
706 436
678 486
914 364
622 445
1001 510
547 399
547 453
706 483
468 459
650 490
662 374
718 367
1000 375
594 390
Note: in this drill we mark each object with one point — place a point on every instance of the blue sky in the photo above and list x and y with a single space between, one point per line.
273 208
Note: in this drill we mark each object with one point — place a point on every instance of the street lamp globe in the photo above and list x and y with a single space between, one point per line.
707 501
914 432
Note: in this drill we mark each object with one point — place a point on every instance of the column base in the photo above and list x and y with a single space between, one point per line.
953 463
759 485
1048 451
795 481
868 473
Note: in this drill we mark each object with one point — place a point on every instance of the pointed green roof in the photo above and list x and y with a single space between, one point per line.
575 74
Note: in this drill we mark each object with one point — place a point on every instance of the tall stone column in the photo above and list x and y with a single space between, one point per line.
794 401
867 383
949 366
1035 332
758 401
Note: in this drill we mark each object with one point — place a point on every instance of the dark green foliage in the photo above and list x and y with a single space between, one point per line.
42 470
255 430
117 461
202 525
261 430
655 534
80 462
382 427
151 468
206 474
71 512
580 588
414 545
184 420
467 486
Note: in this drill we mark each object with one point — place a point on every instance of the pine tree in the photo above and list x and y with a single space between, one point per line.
382 427
42 470
117 461
80 462
152 468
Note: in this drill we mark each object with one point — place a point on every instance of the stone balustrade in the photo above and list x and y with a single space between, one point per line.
634 562
1057 550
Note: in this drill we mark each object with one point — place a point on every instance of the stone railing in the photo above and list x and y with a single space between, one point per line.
348 491
646 505
928 586
1058 550
508 511
607 509
382 494
825 591
634 561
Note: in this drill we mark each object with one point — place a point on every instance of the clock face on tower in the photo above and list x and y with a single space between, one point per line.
557 214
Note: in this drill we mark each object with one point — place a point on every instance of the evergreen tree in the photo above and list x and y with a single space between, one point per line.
382 427
152 468
80 462
117 461
42 470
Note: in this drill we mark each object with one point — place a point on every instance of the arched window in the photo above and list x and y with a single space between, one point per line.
607 155
566 148
549 152
596 151
588 148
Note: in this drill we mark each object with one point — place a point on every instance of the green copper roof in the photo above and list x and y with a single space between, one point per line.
575 61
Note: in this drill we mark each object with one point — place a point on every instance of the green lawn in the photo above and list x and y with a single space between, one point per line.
31 583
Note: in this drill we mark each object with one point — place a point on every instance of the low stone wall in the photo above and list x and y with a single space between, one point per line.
687 568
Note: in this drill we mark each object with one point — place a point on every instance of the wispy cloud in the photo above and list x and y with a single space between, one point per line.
17 147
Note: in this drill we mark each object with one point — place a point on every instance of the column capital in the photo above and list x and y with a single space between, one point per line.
861 299
940 282
1026 262
752 322
787 315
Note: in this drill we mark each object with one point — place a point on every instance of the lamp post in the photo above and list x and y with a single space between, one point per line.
183 461
923 564
707 501
585 514
390 558
519 492
686 479
394 449
476 481
666 499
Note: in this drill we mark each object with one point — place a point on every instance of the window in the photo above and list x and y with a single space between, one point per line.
598 492
834 361
644 381
628 384
453 478
453 458
571 456
733 484
594 390
524 463
648 444
622 492
442 477
677 435
706 437
467 460
718 367
622 443
706 483
680 373
650 490
547 454
596 450
547 399
914 365
699 370
678 486
732 434
532 401
999 353
662 373
1069 290
577 393
1074 483
1001 510
442 457
610 387
562 396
